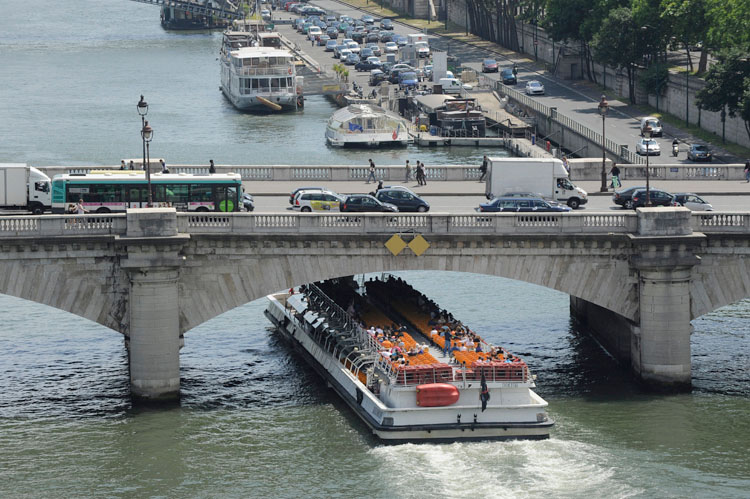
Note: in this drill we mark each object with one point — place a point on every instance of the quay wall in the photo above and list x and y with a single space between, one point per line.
581 169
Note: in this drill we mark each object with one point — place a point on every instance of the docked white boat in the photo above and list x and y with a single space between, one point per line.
402 389
366 125
257 77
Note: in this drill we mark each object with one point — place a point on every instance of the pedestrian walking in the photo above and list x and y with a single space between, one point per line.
372 172
747 170
131 165
122 165
407 174
615 172
80 210
211 167
566 165
483 168
423 174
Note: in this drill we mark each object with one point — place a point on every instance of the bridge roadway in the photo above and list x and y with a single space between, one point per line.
575 99
636 278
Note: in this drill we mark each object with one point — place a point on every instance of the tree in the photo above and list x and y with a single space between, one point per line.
684 17
728 85
617 44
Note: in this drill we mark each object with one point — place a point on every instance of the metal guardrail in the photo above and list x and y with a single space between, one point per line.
507 224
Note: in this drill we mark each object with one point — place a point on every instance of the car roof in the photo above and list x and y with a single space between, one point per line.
518 198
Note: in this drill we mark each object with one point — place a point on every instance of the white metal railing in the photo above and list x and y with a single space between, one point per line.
287 71
367 223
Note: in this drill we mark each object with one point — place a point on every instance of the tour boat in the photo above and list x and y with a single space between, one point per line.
258 77
419 394
366 125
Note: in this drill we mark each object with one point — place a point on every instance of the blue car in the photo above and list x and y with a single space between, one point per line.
523 205
407 79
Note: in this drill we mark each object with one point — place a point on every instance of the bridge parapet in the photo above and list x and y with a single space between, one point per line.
370 223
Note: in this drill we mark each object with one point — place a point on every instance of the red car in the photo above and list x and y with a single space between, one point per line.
489 66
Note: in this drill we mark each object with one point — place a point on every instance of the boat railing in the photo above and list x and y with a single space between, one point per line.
285 70
407 375
267 90
517 372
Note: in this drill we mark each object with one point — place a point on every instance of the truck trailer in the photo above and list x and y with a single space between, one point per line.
545 177
23 187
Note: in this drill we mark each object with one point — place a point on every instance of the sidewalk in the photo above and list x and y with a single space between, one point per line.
472 188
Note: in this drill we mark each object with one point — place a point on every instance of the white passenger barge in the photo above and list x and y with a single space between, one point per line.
366 125
257 77
427 396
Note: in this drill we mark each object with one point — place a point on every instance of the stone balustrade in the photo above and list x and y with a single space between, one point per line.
581 169
367 223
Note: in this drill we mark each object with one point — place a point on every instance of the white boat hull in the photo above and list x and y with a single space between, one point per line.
462 421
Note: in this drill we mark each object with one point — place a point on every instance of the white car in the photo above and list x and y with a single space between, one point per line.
316 200
314 32
354 47
692 201
391 48
343 54
534 87
648 147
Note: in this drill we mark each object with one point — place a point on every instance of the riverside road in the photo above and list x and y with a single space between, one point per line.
577 100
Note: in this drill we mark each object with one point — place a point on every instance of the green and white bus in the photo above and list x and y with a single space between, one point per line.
112 191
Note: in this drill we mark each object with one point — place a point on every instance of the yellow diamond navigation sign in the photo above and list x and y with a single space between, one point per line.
419 245
395 244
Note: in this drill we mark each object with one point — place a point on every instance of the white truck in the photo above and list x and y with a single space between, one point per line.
545 177
23 187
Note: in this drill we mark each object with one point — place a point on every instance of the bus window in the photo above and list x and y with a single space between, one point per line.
177 195
227 198
200 193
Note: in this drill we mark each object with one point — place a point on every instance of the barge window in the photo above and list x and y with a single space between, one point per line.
263 83
255 83
289 83
275 83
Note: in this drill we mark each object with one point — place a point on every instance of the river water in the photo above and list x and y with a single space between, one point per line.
254 420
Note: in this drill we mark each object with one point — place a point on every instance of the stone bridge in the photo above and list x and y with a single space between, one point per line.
637 279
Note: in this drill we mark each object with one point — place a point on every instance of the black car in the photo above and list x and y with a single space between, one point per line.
658 198
385 36
333 33
386 24
624 197
699 152
508 77
376 76
522 205
372 37
393 75
366 66
365 203
248 202
403 200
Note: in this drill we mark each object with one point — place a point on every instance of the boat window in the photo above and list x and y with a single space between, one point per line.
289 83
253 61
275 83
263 83
255 83
370 123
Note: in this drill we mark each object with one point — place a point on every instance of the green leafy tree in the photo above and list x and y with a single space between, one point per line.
685 17
728 85
617 44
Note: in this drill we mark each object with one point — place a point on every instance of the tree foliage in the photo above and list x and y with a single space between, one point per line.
618 44
728 85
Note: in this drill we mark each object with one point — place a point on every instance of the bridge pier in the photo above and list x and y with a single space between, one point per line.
152 259
154 334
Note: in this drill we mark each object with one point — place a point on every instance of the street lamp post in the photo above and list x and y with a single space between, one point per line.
147 133
142 108
603 108
647 135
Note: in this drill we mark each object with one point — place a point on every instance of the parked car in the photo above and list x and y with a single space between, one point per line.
692 201
368 64
375 49
400 40
330 45
624 197
658 198
699 152
351 59
337 50
654 123
323 39
372 37
427 71
404 200
376 76
332 32
523 205
365 52
385 36
508 77
354 47
648 147
391 48
534 87
407 79
368 19
299 189
386 24
365 203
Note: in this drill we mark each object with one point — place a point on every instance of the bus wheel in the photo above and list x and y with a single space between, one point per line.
103 210
202 209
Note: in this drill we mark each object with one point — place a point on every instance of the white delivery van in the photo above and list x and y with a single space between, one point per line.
23 187
453 85
546 177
